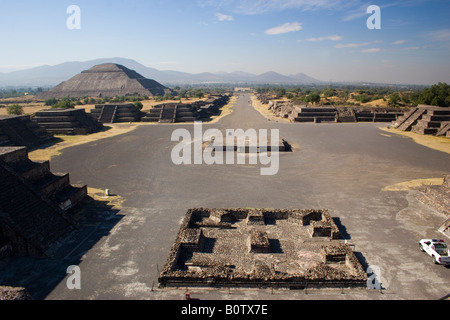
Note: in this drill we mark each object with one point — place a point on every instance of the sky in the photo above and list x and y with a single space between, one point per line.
326 39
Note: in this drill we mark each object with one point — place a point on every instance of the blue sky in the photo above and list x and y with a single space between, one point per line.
326 39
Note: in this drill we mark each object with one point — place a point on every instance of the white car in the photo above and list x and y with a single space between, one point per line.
437 249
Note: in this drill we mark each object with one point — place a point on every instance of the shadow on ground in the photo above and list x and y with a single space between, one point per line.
39 276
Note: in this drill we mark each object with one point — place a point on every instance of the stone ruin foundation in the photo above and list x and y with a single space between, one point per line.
260 248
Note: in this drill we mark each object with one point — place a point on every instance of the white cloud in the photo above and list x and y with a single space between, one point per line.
335 38
398 42
361 11
356 13
223 17
355 45
251 7
442 35
285 28
351 45
371 50
332 38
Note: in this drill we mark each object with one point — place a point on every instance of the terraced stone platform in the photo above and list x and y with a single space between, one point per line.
67 121
183 112
37 206
425 119
21 131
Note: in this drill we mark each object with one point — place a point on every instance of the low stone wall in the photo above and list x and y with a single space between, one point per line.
13 293
258 248
437 197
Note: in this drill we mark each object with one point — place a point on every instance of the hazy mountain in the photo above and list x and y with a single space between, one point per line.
50 76
303 78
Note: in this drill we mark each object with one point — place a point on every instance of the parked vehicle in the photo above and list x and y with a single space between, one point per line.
437 249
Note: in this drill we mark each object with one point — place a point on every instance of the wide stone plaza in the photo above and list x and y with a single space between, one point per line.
345 169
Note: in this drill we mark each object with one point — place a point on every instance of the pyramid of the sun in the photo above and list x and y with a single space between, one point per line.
106 80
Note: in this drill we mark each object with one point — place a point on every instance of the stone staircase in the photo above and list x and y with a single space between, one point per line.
21 131
444 130
423 119
405 122
116 113
376 116
54 187
108 114
316 115
128 113
37 207
185 113
153 115
168 113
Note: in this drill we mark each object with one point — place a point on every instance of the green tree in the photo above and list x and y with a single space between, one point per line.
313 98
363 98
436 95
138 105
65 103
182 94
15 109
50 101
198 93
328 92
168 96
394 99
280 92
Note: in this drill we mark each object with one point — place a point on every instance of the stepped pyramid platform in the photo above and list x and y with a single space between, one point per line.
376 114
171 113
182 112
37 206
106 80
314 114
341 114
67 121
426 119
116 113
21 131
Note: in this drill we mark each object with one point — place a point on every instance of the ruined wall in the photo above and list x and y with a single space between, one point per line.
196 258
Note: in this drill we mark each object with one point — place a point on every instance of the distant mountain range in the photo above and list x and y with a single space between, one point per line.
50 76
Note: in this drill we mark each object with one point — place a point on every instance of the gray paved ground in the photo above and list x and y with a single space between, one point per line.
340 167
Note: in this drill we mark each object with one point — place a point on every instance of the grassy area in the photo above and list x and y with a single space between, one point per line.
412 184
55 150
437 143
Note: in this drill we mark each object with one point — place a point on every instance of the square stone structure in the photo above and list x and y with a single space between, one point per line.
260 248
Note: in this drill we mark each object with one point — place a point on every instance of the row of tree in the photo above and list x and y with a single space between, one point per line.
437 95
